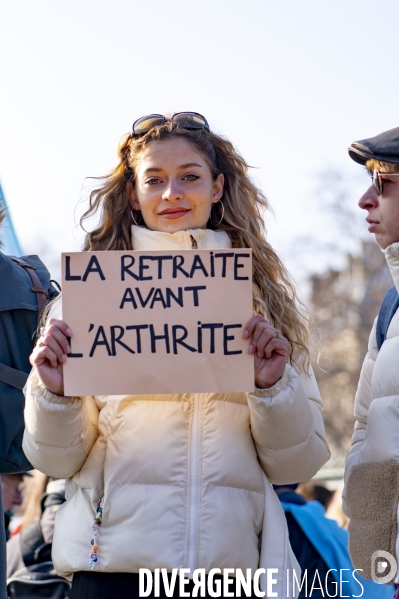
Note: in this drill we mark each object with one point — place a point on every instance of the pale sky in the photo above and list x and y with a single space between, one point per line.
291 83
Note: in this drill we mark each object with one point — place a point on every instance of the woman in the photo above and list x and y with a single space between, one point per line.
178 481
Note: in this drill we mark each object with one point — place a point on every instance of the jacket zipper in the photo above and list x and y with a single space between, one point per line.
193 492
94 542
194 456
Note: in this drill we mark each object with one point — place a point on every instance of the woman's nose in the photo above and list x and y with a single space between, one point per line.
369 199
172 191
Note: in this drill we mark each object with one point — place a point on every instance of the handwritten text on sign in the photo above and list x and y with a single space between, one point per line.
157 322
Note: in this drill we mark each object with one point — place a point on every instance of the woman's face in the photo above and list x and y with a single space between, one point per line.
174 187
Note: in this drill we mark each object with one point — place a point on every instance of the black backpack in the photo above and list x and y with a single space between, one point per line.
12 376
38 581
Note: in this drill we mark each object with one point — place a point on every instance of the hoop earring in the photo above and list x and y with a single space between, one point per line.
133 219
222 216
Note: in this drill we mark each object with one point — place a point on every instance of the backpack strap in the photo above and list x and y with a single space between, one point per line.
31 538
34 549
13 377
388 307
37 287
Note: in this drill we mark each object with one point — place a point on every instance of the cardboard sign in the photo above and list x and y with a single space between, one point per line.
157 322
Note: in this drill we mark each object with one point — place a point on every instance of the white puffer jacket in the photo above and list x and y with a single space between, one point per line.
371 492
182 476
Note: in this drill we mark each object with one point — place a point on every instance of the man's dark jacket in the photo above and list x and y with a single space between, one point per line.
18 324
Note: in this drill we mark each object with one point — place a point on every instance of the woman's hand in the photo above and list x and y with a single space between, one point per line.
271 349
50 354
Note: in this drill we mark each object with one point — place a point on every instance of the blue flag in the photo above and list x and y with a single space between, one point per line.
8 238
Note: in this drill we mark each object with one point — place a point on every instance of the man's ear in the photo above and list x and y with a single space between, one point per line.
218 186
131 196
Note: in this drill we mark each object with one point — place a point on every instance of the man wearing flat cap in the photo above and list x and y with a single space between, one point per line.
371 493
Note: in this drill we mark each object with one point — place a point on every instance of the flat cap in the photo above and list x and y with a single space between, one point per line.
384 147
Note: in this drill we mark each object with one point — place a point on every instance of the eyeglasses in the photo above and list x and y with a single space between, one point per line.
378 181
186 120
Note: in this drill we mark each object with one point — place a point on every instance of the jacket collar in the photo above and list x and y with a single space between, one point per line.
205 239
392 258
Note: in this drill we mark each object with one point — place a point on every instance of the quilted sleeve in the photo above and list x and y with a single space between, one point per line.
59 431
288 429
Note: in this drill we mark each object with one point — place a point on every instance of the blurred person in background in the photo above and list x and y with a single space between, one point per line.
12 496
179 481
371 492
24 291
34 489
312 491
32 544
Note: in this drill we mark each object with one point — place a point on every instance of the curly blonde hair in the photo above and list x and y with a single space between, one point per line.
274 294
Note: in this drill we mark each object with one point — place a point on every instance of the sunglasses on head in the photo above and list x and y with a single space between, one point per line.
185 120
378 181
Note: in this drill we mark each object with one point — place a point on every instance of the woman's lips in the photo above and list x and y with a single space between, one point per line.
175 213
